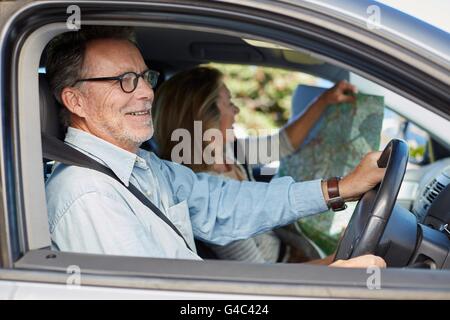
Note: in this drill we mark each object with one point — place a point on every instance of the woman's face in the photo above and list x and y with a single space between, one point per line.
228 110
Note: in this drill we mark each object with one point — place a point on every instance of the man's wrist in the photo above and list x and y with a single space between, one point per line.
325 190
344 189
334 196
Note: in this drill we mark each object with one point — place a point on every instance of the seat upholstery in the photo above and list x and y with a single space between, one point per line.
50 123
49 110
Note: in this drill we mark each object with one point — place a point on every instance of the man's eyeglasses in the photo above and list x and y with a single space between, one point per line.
129 80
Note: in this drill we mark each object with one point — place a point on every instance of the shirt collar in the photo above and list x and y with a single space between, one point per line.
119 160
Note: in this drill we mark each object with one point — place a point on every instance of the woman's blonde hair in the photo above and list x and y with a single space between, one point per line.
187 97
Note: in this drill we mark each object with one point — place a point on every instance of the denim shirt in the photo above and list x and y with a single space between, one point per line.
90 212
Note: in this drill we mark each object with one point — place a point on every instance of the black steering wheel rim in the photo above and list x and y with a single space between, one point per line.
372 213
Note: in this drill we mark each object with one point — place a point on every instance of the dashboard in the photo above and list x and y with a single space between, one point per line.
422 185
429 190
434 181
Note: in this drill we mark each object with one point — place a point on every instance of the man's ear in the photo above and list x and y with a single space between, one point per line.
73 99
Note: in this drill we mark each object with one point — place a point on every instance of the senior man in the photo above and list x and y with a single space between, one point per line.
100 77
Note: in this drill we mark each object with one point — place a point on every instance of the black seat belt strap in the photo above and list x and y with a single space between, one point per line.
55 149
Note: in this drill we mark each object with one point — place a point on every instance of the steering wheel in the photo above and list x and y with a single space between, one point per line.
372 213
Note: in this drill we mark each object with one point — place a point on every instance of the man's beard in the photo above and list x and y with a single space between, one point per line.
126 137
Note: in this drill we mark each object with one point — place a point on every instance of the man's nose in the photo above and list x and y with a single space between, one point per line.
144 90
236 109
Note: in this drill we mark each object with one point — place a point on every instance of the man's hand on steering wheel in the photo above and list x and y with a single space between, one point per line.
368 260
362 179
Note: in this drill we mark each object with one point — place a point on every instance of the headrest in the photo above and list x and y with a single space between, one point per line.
50 110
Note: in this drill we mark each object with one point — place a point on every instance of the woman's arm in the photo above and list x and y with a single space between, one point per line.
298 129
291 137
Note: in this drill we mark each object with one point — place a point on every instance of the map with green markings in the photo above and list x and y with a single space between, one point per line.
334 146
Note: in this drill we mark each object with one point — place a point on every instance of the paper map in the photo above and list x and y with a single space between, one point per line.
334 146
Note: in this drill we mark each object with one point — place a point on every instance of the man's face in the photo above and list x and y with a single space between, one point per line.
110 113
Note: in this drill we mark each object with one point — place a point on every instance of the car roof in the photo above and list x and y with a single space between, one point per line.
393 25
179 49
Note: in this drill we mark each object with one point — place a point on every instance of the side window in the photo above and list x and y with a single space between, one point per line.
396 126
266 98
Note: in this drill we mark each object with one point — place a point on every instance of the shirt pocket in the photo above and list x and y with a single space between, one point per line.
179 215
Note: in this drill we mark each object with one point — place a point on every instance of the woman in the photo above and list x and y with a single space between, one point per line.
199 96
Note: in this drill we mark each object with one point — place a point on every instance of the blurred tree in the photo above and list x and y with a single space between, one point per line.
262 94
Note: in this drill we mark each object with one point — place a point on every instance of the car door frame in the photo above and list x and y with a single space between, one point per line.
25 253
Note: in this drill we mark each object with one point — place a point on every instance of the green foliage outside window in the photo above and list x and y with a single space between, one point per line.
262 94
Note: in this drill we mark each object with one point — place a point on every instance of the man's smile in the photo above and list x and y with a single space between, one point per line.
139 113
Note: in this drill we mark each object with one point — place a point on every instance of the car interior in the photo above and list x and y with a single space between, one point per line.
425 192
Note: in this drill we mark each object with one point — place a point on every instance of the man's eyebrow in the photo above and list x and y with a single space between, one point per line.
123 71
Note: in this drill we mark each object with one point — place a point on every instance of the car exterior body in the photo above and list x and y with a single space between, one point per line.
405 57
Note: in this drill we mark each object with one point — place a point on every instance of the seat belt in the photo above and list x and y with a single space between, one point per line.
55 149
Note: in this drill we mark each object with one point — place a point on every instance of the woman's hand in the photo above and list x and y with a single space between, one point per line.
298 129
341 92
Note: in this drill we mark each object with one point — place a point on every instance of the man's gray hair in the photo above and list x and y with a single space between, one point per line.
65 57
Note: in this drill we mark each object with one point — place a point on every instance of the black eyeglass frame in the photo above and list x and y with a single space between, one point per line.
122 76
